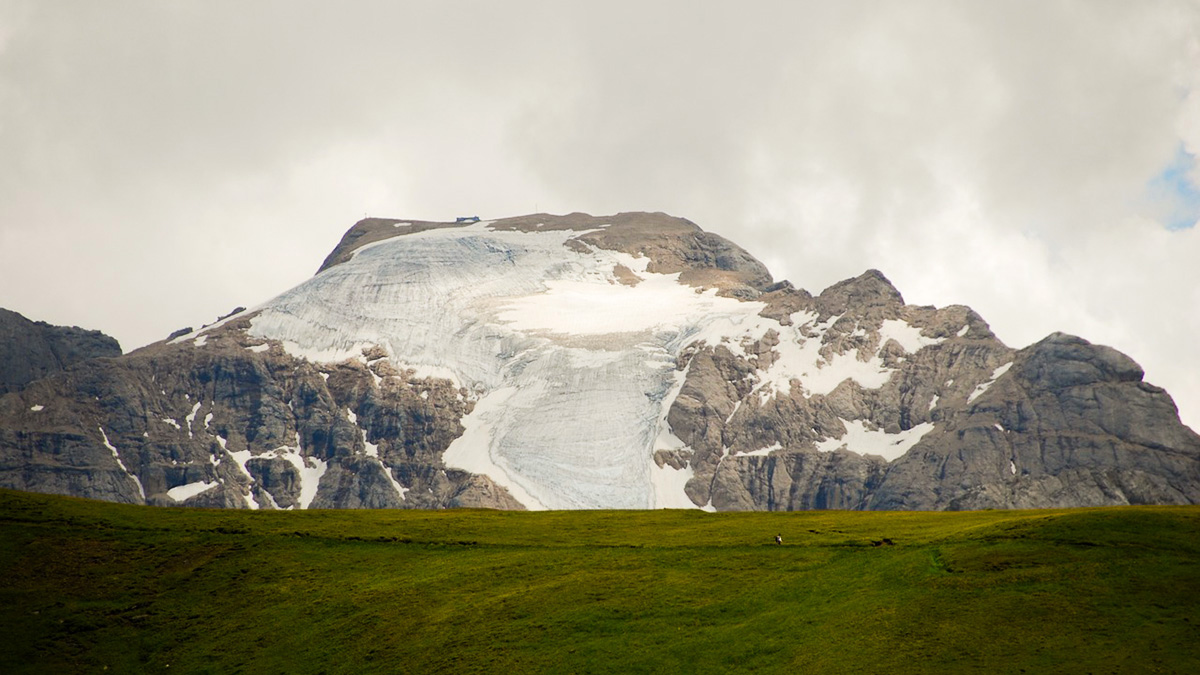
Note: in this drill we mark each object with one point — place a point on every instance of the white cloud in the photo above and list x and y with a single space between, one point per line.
161 163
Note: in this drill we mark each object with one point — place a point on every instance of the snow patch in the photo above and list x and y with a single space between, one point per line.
1012 467
199 342
859 439
37 408
668 483
258 349
311 470
113 450
736 406
933 402
579 306
907 336
191 418
184 492
387 471
761 452
984 386
799 357
172 422
963 331
240 459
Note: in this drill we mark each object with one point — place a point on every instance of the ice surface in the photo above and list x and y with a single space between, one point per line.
570 371
184 492
472 450
858 438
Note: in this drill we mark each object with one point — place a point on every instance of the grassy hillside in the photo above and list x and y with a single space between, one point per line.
89 586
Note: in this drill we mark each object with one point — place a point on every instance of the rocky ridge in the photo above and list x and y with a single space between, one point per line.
30 350
848 399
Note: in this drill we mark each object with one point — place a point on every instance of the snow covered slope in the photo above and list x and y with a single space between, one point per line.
569 368
569 353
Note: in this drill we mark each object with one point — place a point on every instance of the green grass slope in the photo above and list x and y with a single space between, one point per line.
95 587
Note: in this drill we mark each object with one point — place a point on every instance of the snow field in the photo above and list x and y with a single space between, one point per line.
184 492
865 441
572 372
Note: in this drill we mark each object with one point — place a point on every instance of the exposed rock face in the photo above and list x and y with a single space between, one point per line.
32 350
1071 423
1061 423
446 374
225 421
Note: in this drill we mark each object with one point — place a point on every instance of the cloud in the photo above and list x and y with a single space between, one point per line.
163 162
991 155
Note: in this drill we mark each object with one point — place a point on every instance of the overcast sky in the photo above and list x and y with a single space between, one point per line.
162 162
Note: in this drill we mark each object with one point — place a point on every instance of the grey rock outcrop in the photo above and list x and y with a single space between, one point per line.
31 350
1070 424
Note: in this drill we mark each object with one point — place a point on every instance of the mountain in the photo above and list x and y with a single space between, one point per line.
32 350
629 361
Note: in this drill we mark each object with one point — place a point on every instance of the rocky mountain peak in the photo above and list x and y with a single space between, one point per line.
672 245
578 361
1061 360
869 291
30 350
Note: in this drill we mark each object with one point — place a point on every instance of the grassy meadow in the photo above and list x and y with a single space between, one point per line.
93 587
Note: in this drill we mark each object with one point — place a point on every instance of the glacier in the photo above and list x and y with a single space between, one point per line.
570 367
